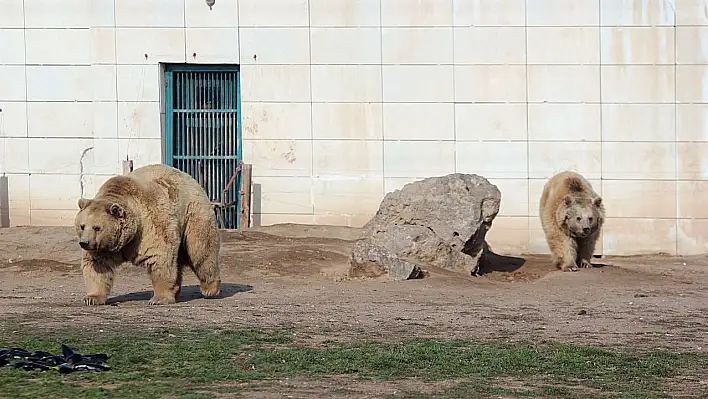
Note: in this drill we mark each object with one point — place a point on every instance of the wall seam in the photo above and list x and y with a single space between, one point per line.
29 174
599 34
312 103
454 91
115 65
676 156
528 141
383 103
184 28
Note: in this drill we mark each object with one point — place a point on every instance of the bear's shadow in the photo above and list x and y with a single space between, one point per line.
188 293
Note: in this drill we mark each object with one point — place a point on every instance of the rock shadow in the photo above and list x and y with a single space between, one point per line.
499 263
188 293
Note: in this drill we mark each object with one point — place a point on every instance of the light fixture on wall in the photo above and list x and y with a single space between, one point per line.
210 3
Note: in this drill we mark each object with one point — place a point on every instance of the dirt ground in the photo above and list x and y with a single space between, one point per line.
295 275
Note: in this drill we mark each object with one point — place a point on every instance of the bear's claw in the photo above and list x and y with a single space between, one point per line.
92 300
211 290
161 301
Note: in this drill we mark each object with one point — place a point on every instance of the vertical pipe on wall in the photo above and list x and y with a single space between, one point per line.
4 202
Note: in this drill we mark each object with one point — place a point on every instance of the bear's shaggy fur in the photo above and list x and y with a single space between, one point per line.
572 215
157 217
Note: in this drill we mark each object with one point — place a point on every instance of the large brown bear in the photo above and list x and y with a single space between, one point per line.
572 215
157 217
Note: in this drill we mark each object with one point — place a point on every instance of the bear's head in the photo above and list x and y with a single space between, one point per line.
582 215
103 225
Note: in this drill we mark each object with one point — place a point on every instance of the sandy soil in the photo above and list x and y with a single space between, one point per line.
295 275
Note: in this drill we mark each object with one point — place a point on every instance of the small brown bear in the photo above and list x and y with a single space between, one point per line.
157 217
572 215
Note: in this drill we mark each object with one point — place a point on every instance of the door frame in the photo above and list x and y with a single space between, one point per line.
169 138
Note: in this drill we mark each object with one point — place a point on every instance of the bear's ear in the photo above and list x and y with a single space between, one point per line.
597 201
83 203
568 199
116 210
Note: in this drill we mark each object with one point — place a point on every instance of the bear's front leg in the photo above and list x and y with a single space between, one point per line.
98 277
586 248
564 253
166 280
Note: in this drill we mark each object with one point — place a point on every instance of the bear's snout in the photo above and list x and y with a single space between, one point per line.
586 230
84 243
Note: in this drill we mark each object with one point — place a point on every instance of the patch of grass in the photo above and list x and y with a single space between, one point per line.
205 363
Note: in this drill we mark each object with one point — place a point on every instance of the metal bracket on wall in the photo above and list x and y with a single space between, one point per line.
127 166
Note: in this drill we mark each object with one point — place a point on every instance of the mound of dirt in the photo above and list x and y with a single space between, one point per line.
59 244
439 221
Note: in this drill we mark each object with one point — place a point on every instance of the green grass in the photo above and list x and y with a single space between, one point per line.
205 363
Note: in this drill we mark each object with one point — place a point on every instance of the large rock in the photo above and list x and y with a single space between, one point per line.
439 221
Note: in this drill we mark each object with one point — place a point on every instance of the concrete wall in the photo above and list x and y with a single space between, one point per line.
345 100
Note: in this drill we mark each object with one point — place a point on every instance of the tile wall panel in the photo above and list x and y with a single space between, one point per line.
48 14
491 121
419 121
562 12
13 118
149 14
282 46
212 45
420 13
345 45
219 16
347 158
347 121
496 13
346 100
637 12
103 13
345 13
471 45
12 15
264 13
12 46
58 46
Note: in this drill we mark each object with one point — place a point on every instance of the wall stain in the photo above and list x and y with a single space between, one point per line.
251 125
290 154
136 119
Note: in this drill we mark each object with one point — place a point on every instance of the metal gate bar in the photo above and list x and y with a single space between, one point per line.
204 132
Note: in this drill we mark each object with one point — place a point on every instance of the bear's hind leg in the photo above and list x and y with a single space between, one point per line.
98 278
207 272
183 262
202 243
166 278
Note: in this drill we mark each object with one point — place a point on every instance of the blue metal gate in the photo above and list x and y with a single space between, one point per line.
203 135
